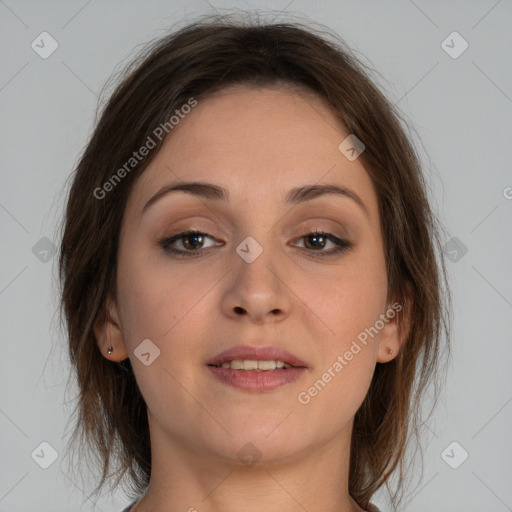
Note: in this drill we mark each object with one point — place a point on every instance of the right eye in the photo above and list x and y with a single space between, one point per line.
189 240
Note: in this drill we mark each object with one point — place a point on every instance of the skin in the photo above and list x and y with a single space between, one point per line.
258 144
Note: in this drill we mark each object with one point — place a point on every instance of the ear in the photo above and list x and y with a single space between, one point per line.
396 329
107 330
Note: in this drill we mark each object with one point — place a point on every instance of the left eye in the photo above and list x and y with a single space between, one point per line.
318 240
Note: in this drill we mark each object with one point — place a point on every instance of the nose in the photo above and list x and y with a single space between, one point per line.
257 290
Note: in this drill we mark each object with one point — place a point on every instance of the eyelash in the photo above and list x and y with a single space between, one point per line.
343 245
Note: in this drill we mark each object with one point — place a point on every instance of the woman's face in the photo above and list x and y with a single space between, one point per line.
262 281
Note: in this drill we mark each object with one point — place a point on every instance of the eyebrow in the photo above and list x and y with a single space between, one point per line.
295 195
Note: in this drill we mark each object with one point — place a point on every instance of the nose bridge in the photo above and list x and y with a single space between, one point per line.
256 288
257 265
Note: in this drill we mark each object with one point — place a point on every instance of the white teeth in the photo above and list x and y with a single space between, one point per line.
267 365
248 365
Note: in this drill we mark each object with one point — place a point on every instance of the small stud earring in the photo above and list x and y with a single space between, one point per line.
110 350
389 350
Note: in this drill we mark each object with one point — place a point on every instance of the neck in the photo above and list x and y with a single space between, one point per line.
187 479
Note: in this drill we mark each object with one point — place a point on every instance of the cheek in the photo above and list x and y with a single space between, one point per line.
148 310
344 368
161 304
334 395
156 299
348 301
348 304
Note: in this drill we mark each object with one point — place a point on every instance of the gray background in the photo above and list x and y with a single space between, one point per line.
461 109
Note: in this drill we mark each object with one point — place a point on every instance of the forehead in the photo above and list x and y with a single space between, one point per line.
257 143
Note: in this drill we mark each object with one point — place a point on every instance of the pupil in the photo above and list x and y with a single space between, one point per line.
316 239
197 240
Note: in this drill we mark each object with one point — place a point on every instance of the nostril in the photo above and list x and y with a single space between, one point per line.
239 310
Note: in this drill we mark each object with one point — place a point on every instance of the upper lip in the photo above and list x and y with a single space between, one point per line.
253 353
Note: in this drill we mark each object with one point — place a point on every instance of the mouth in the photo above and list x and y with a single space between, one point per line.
256 369
250 358
249 365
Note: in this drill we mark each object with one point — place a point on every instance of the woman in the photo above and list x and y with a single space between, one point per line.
249 276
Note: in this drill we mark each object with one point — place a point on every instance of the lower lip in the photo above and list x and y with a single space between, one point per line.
254 381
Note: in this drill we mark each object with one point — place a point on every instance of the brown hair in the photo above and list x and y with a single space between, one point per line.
197 60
